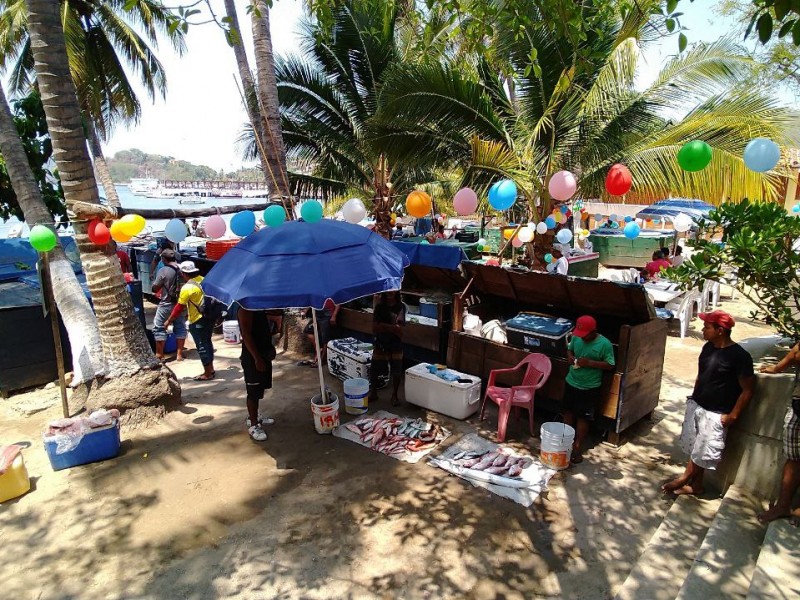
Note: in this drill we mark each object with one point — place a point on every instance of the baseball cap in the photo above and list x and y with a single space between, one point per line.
584 326
168 253
188 266
719 318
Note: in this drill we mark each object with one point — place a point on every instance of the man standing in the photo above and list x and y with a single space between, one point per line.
723 387
589 354
388 319
561 265
257 355
167 286
191 298
326 324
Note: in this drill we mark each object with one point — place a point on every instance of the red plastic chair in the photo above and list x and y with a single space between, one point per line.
537 370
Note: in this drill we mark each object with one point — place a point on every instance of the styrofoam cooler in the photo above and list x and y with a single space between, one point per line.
451 398
350 358
539 333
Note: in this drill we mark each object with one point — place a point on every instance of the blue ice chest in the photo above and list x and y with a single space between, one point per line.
99 444
539 333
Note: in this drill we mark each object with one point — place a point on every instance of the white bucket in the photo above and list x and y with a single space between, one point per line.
556 448
356 391
230 332
326 416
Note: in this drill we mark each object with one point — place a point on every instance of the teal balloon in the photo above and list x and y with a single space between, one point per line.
274 216
424 243
548 258
243 223
550 221
628 219
796 208
503 194
42 238
311 211
761 155
694 156
632 231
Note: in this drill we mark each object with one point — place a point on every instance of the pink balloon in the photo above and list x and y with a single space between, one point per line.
465 201
563 185
215 226
516 242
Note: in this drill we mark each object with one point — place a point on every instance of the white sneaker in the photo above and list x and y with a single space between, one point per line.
257 433
262 420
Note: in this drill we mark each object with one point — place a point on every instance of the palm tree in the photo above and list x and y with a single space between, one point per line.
579 110
137 382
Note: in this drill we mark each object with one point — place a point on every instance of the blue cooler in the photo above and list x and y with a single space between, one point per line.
99 444
539 333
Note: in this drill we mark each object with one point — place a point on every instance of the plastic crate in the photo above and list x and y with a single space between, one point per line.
216 249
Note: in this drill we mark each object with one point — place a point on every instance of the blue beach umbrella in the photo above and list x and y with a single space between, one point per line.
669 209
301 264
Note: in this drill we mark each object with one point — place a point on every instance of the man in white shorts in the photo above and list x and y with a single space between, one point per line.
723 387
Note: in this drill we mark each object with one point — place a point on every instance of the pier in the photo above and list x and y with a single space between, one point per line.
172 184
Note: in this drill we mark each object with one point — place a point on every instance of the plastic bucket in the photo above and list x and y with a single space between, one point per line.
326 416
355 396
557 441
230 332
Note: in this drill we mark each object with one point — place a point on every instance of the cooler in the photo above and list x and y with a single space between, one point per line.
99 444
350 358
539 333
452 398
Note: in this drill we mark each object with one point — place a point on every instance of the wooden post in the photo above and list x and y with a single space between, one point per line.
50 306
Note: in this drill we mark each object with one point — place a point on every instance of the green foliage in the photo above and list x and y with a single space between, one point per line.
758 240
32 127
135 163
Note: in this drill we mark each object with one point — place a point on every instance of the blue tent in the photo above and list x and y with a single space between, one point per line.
669 209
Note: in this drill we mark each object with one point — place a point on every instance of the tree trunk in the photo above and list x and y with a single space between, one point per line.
268 99
382 202
246 76
79 320
145 386
101 167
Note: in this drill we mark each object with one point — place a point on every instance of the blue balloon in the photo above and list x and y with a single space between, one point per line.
598 217
243 223
796 208
175 231
550 221
628 219
631 230
761 155
564 209
311 211
274 215
503 194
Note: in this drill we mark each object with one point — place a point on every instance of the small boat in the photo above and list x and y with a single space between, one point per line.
191 201
142 186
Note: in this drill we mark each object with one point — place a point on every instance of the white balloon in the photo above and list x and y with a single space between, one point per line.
354 211
541 228
682 223
525 234
614 217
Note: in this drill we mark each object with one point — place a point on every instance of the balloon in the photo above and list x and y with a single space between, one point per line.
548 258
761 155
563 185
796 208
493 262
99 233
541 228
131 224
175 231
618 180
694 156
585 232
550 222
614 217
525 235
503 194
481 242
516 242
465 201
564 209
215 226
42 238
354 211
243 223
418 204
631 231
628 219
120 236
393 216
598 217
424 243
564 236
682 223
311 211
273 217
507 233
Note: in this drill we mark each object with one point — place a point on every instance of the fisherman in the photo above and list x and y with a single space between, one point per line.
167 286
388 319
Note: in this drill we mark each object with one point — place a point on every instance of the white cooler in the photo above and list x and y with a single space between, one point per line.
349 358
451 398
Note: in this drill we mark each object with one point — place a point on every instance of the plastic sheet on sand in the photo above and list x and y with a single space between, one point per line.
536 475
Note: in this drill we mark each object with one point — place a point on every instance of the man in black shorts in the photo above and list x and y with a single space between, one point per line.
258 353
388 319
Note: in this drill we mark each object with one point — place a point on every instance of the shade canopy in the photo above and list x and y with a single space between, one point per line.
669 209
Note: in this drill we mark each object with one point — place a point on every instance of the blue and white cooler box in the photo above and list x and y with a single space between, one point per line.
350 358
539 333
445 391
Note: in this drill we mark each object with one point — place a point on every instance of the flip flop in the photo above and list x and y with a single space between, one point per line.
576 459
305 363
204 377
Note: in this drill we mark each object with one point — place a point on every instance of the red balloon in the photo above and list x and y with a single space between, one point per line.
99 233
618 180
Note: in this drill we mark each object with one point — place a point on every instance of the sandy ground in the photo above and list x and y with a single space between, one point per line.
194 509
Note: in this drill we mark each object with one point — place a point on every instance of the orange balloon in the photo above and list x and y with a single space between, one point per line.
418 204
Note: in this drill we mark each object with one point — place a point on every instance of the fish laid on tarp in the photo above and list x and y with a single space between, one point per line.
396 435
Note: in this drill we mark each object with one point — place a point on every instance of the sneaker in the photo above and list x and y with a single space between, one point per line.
257 433
262 420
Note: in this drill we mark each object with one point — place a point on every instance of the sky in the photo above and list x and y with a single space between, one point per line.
202 114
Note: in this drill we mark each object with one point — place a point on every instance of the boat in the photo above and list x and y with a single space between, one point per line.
191 201
142 186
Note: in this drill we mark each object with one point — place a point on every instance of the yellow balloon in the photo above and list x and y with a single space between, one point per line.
585 232
507 233
131 224
418 204
394 216
117 232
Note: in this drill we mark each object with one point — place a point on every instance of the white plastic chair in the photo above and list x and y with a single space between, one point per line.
710 294
731 279
683 308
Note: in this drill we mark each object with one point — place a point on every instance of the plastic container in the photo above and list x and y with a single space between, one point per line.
99 444
539 333
230 332
429 308
556 448
356 392
170 344
14 482
216 249
326 416
451 398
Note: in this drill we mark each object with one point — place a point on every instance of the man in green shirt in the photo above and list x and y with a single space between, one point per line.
589 354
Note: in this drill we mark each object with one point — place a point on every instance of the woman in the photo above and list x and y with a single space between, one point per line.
388 318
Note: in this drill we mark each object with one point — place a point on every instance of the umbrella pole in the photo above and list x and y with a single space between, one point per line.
322 396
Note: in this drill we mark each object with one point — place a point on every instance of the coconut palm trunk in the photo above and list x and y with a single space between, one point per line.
382 202
79 320
100 166
138 383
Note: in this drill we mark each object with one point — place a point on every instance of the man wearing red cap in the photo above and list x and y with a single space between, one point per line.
723 387
589 354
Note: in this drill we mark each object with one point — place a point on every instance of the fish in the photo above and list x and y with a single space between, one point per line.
495 470
514 471
500 461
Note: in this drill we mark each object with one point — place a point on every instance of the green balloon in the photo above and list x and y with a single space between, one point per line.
274 216
311 211
42 238
694 156
424 243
